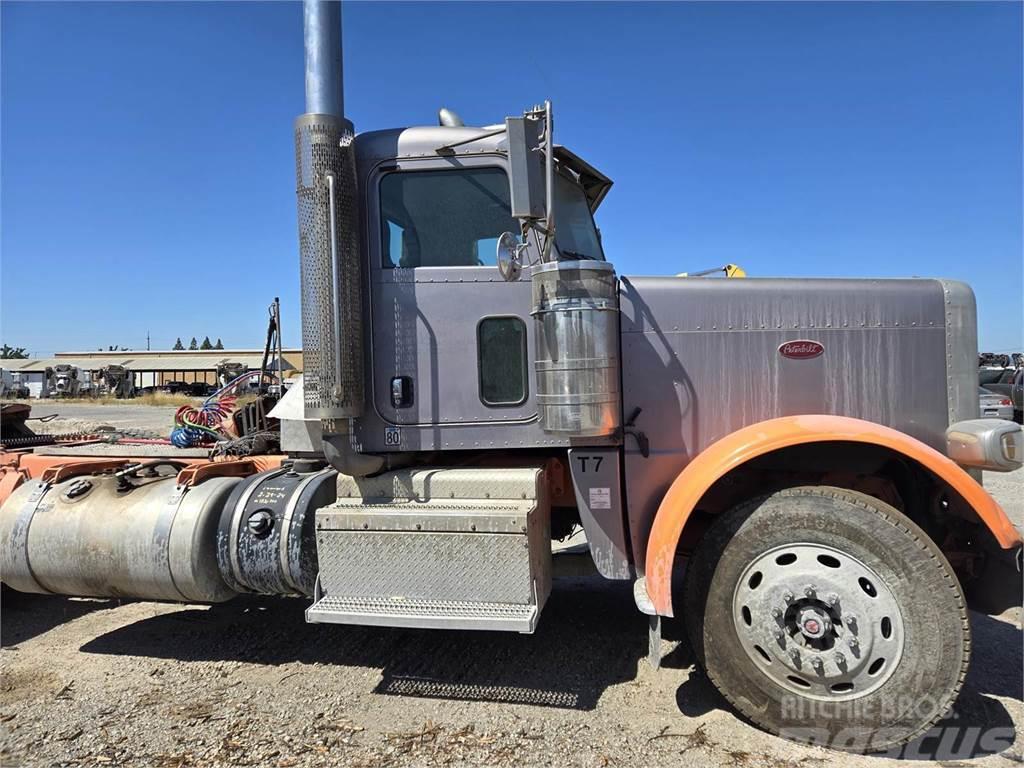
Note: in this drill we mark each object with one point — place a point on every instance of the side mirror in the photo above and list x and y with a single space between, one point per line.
509 256
526 167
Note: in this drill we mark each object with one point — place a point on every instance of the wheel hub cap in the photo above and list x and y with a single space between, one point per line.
818 621
813 623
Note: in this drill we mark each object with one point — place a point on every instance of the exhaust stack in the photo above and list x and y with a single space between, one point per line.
321 22
330 262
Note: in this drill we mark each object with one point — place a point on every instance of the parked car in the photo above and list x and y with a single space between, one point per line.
1017 395
996 379
994 405
200 389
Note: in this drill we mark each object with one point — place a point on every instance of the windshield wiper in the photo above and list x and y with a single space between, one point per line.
578 255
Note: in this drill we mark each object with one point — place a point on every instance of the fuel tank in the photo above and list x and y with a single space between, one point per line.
267 537
104 536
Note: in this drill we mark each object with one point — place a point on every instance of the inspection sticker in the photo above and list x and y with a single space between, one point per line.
600 498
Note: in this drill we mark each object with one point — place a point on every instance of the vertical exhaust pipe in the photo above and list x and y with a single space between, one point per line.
329 255
321 26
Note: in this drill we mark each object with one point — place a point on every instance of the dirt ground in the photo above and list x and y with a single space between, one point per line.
149 421
107 683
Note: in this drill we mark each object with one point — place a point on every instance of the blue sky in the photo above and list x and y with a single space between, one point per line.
148 167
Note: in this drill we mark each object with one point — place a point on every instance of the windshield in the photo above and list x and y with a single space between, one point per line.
575 233
448 218
991 376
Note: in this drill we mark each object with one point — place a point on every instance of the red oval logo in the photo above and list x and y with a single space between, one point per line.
801 349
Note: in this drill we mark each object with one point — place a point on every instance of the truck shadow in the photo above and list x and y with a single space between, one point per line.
587 640
27 616
978 724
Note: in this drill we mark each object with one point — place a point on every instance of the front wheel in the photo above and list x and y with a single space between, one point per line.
826 616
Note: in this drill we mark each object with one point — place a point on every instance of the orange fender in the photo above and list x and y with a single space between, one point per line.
764 437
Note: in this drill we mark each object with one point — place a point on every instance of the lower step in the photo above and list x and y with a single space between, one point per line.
424 614
437 548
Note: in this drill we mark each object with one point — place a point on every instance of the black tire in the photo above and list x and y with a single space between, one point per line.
936 634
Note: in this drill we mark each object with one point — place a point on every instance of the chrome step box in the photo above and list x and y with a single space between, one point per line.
436 549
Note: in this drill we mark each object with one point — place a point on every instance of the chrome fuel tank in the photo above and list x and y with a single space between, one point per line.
98 536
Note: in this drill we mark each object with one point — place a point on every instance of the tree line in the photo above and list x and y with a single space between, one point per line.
194 345
8 352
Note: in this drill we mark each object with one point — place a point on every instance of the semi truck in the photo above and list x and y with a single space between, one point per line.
64 380
117 381
480 381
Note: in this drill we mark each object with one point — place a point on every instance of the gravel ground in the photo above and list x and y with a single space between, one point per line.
1008 490
102 682
138 420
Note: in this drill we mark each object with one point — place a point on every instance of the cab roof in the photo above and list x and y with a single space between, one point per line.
423 141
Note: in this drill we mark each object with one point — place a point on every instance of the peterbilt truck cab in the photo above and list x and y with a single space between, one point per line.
481 353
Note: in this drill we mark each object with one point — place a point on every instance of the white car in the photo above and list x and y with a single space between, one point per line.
994 405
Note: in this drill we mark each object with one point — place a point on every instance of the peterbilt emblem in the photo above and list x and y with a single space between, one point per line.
802 349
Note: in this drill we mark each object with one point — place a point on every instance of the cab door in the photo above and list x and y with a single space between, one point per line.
449 340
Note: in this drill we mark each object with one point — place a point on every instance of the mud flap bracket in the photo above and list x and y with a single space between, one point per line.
654 641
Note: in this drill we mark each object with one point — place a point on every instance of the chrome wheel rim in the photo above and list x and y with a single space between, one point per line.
818 622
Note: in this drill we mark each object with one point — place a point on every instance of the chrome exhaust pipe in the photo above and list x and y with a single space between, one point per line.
330 261
329 252
321 26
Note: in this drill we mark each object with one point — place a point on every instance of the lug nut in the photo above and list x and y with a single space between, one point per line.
795 655
777 613
779 634
840 659
787 596
851 620
816 663
852 642
833 599
809 591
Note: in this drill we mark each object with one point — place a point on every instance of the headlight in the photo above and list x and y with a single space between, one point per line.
992 444
1011 443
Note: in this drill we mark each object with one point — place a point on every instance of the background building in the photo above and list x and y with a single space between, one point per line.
155 368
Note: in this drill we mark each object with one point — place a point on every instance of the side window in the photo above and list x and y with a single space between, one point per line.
988 377
575 233
449 218
393 238
501 356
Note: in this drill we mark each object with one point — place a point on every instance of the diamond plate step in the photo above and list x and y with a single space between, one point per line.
438 548
424 614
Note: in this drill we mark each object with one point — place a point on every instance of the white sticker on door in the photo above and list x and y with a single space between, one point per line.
600 498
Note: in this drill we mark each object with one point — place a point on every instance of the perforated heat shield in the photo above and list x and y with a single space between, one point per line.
331 268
